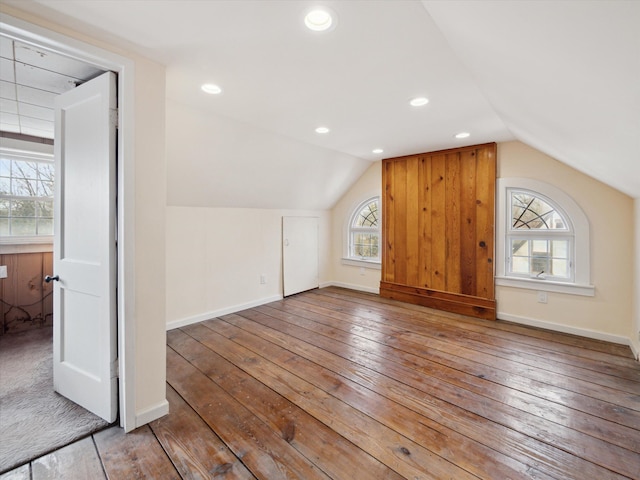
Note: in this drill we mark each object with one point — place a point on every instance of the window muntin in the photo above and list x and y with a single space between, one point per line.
540 239
364 231
26 195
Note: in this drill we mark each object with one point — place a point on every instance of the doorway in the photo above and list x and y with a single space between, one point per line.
35 419
51 41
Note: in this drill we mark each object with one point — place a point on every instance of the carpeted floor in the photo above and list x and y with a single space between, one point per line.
33 418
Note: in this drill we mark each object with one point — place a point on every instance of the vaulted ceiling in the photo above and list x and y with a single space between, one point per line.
563 77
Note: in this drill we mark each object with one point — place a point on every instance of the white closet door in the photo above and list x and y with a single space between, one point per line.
84 315
299 254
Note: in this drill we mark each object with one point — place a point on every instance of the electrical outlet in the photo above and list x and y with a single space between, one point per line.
362 271
263 279
3 271
542 297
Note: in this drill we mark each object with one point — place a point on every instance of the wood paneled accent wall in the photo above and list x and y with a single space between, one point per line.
26 301
438 229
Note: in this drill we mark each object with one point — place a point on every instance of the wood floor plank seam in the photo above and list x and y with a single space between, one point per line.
437 349
447 345
605 430
621 463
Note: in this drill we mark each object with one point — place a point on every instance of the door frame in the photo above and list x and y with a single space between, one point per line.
49 40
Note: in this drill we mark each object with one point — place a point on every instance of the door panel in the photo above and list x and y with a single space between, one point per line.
299 254
85 336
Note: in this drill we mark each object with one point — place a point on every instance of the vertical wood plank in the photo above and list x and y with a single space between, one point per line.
388 238
468 219
78 460
438 223
485 213
424 206
399 219
412 209
47 289
453 279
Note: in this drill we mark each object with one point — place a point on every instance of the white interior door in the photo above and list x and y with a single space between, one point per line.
299 254
84 317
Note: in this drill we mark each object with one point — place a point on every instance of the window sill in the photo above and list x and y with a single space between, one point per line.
356 262
14 245
547 286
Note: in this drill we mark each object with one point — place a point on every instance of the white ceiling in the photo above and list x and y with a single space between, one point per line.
30 79
563 77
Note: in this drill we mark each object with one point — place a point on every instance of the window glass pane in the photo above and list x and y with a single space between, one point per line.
45 188
46 170
23 208
45 209
45 226
520 247
520 264
23 226
529 212
4 226
5 186
27 170
560 268
539 265
560 248
5 167
4 208
540 246
365 245
368 216
23 187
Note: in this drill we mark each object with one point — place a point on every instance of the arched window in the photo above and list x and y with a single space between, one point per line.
364 231
543 236
540 238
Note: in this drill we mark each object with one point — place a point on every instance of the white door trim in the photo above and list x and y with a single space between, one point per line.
124 67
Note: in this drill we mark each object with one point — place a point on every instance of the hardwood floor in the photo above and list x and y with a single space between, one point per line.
339 384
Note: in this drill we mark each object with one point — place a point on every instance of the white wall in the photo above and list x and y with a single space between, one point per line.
215 257
608 314
147 265
214 161
367 279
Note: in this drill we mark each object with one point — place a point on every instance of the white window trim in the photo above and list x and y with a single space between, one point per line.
581 284
375 264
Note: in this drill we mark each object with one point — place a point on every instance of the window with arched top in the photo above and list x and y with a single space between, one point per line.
542 238
364 231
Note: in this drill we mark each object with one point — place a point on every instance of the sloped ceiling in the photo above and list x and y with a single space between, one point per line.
563 77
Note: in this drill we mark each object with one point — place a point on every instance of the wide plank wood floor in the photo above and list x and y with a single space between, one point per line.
339 384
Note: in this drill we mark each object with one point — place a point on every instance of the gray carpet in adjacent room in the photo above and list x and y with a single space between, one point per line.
33 418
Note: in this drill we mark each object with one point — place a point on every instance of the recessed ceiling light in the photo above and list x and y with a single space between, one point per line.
377 150
318 20
322 130
419 101
462 135
211 89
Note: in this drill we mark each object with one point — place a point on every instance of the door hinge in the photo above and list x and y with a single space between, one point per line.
113 117
115 368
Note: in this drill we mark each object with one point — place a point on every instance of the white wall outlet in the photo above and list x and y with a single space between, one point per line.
3 271
361 270
542 297
263 279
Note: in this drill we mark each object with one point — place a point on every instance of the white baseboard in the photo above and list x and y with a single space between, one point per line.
583 332
223 311
152 413
635 351
351 286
